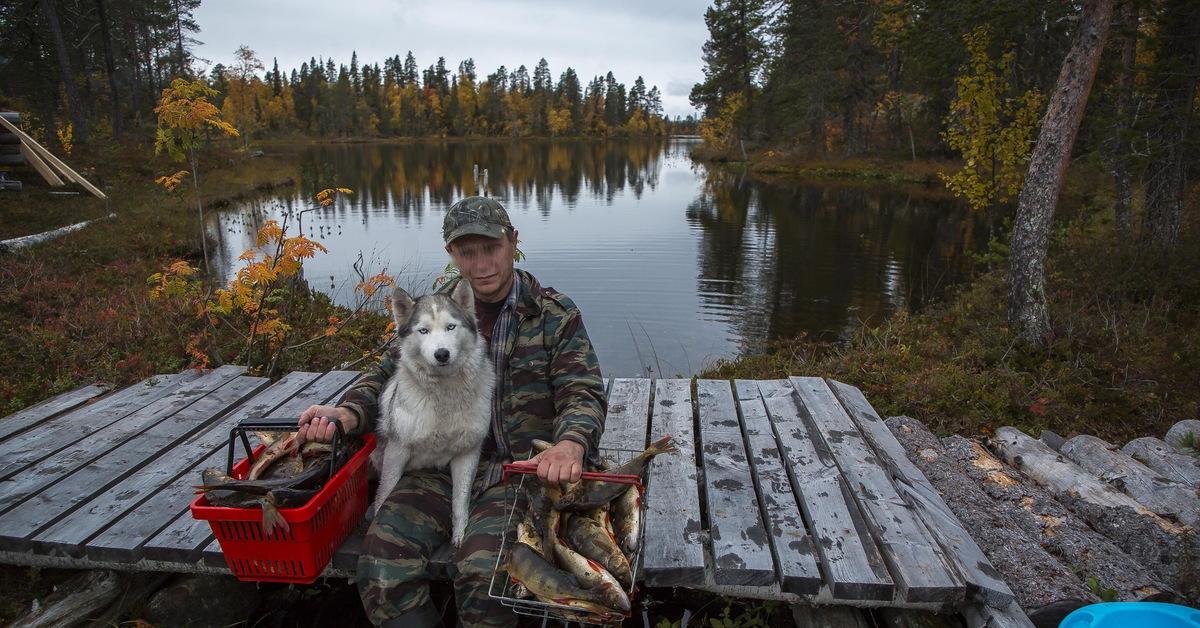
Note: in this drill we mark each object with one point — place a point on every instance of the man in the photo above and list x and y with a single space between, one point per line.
549 387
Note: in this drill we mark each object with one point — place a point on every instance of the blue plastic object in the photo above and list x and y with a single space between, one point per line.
1131 615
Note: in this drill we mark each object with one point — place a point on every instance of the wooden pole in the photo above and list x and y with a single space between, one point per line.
47 173
48 156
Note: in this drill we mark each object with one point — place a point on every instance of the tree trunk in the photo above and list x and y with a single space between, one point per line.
110 67
1036 203
1176 74
1121 162
64 67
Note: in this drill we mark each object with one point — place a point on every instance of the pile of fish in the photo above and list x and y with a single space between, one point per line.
285 475
575 541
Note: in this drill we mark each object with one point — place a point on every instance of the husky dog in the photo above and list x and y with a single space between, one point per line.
436 408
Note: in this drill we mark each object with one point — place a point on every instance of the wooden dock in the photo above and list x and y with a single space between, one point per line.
790 489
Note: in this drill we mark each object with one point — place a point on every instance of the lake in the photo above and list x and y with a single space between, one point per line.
674 264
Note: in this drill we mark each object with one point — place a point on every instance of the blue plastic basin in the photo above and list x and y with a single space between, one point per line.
1133 614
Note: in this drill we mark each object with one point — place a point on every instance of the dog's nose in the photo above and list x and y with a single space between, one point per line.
442 355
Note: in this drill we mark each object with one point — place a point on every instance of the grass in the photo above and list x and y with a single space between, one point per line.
77 310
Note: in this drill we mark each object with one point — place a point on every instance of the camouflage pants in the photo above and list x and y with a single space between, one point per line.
413 522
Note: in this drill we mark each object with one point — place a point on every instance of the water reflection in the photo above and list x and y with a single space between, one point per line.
672 264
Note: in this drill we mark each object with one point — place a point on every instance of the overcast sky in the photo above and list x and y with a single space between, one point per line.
659 40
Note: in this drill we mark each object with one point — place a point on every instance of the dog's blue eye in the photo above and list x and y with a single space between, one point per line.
450 326
422 330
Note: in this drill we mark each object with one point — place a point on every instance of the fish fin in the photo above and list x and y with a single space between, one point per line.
663 445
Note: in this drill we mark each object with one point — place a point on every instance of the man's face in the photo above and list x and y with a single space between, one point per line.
486 263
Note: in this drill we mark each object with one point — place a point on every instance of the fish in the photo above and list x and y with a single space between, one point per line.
272 453
551 584
589 494
626 511
595 577
269 503
528 535
291 480
542 514
596 543
310 477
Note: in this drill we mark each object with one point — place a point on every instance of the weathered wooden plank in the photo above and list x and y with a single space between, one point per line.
625 427
83 451
64 493
673 550
1161 495
163 527
64 430
917 564
740 550
130 496
983 582
791 545
850 560
1165 459
49 408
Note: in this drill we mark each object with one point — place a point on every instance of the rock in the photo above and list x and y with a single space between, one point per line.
1179 429
203 601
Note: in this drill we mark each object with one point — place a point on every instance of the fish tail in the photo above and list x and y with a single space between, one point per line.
272 518
663 445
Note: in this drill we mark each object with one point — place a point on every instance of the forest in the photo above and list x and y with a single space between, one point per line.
837 78
83 68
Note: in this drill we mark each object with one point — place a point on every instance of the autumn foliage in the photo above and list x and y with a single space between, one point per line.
261 298
993 127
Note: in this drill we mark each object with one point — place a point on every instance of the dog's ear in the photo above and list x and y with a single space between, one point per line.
402 306
464 297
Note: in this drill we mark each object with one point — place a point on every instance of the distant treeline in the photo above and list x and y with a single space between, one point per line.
78 68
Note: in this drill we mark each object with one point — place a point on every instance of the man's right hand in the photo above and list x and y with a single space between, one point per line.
315 424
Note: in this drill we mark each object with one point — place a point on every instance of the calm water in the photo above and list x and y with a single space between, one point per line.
674 265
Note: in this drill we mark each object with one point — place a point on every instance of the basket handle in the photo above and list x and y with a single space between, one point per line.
278 424
616 478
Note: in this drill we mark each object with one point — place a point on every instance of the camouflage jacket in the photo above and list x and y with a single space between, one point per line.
551 386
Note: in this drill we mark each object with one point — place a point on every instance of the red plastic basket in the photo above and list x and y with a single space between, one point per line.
317 528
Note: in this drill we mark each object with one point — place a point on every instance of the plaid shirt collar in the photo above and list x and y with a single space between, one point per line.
505 323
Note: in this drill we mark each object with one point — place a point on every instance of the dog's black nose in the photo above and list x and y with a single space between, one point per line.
442 355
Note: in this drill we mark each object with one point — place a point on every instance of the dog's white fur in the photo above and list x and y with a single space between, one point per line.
435 413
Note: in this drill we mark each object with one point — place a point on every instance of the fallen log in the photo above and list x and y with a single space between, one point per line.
1035 577
1165 459
1051 525
74 602
1162 495
1162 546
37 238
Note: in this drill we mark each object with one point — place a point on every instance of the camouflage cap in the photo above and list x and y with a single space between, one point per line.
477 215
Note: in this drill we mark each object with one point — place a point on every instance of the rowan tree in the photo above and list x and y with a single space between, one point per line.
185 117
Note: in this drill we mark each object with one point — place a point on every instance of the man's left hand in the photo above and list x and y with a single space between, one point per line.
561 463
